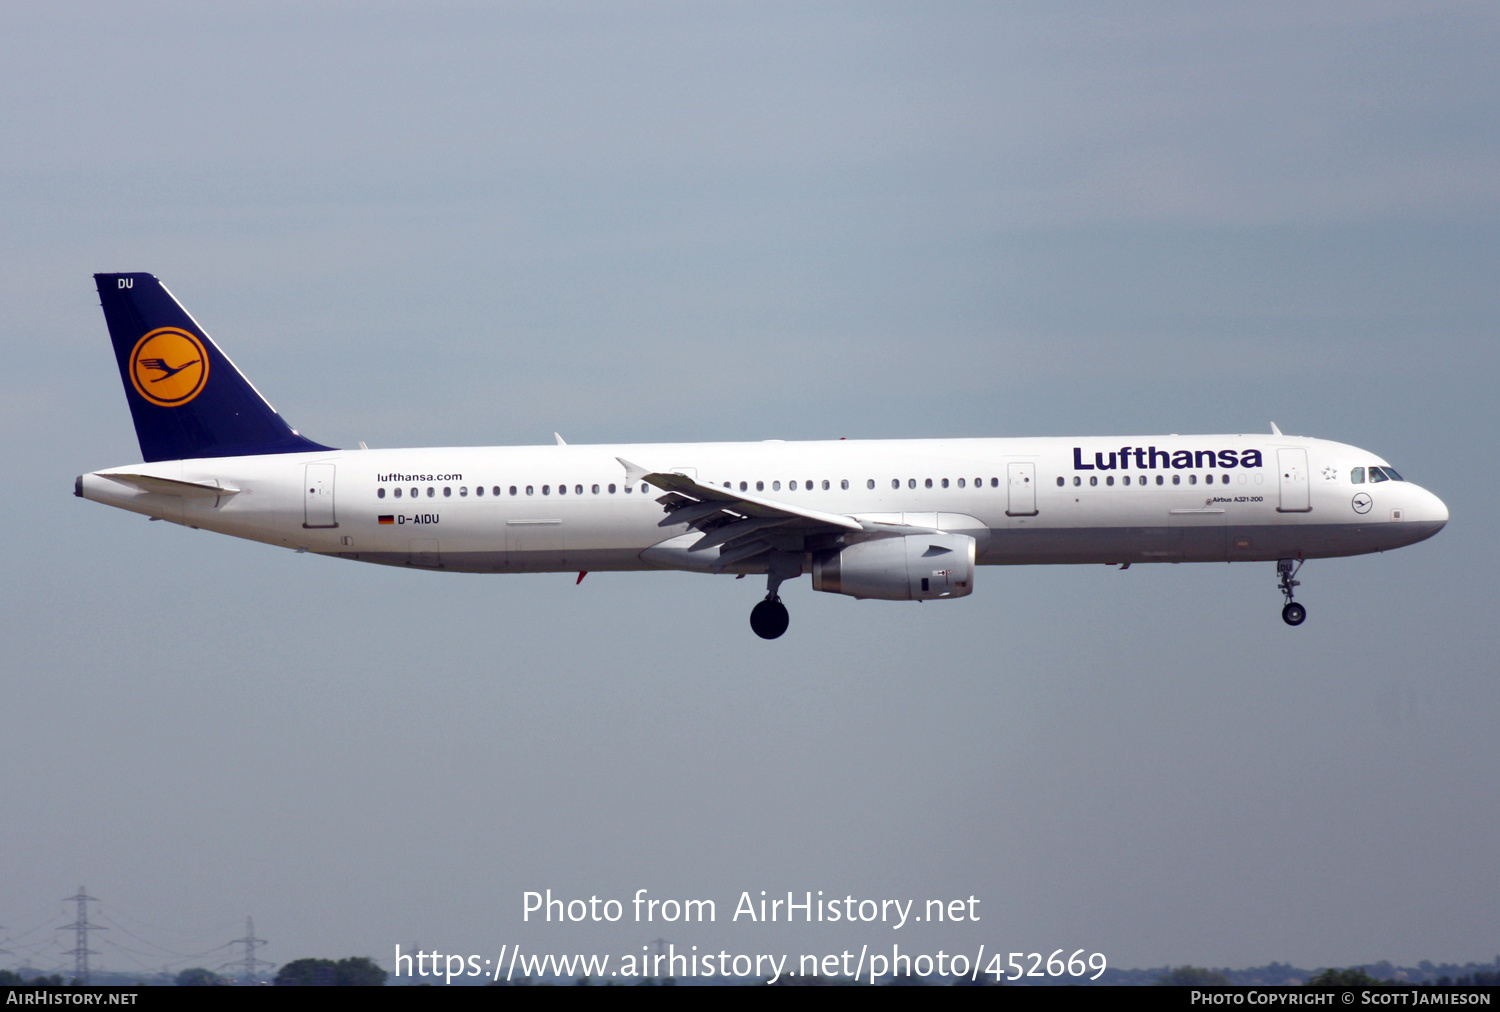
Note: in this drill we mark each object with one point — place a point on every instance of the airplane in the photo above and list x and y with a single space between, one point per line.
894 520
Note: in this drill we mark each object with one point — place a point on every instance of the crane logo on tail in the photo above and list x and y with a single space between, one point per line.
169 367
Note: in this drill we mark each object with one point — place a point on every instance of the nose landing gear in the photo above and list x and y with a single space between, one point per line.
1286 572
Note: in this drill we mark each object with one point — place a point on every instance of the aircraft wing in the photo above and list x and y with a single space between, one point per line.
741 525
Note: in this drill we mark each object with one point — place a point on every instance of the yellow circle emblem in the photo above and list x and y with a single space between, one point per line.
169 366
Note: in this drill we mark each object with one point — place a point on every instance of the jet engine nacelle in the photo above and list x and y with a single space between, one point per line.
916 567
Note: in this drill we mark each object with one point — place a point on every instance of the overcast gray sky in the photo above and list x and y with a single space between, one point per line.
478 223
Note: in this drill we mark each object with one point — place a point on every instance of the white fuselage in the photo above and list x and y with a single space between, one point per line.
567 508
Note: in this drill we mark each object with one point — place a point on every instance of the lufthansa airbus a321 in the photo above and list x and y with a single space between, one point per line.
896 520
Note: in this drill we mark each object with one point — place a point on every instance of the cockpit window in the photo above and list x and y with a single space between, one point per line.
1376 474
1390 472
1357 476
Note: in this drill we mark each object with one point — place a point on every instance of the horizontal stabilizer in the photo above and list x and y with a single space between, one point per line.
171 486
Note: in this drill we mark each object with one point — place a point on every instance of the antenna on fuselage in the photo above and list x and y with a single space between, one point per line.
1274 430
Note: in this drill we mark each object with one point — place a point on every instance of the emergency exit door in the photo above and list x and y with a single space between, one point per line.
1021 489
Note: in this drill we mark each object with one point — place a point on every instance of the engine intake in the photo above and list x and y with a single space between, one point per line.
916 567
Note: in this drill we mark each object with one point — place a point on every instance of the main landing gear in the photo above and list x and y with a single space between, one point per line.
769 619
1286 572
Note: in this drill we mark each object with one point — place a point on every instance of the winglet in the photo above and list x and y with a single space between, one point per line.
1274 430
633 472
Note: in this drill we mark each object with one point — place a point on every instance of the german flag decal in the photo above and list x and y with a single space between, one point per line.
387 518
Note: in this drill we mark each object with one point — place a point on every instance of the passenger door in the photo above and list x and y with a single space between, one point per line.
317 496
1291 470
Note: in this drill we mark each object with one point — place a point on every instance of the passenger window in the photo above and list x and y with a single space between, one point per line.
929 483
463 490
1110 480
775 486
994 483
895 483
611 489
911 483
825 484
869 483
528 490
415 492
1208 479
1176 479
809 485
760 486
1093 479
1126 481
979 483
1192 479
844 484
1357 476
960 483
643 488
1077 481
561 489
513 490
397 493
447 491
1142 479
479 490
1159 479
945 482
431 492
595 489
380 493
1059 481
1223 479
791 486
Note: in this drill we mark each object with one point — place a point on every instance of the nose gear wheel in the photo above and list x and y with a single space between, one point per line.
1286 573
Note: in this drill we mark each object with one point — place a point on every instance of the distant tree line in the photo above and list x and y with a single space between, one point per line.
9 978
356 971
1368 975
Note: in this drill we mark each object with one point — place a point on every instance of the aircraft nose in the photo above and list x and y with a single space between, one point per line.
1434 511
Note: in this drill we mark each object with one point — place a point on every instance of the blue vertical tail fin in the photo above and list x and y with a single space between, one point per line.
186 397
